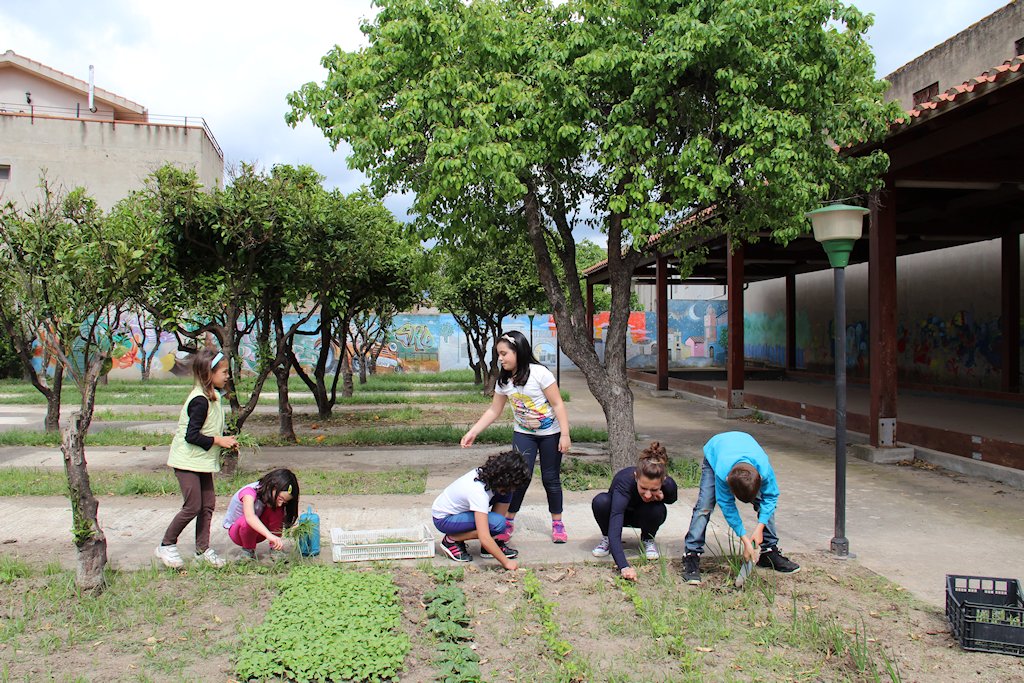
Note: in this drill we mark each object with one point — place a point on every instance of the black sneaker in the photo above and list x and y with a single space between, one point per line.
510 553
456 550
773 559
691 569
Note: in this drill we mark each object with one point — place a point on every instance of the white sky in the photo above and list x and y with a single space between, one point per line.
233 62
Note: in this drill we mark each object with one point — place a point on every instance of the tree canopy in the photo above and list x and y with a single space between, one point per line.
636 112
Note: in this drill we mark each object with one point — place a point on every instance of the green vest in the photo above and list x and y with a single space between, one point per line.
187 456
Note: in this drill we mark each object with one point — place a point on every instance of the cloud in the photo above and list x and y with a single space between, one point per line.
234 62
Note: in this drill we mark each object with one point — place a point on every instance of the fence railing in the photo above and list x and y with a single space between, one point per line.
80 112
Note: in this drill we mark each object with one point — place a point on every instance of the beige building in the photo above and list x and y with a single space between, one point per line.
80 135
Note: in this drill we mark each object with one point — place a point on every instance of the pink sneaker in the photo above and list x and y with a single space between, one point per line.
504 536
558 534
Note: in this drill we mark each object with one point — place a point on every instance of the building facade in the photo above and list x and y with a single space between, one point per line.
77 135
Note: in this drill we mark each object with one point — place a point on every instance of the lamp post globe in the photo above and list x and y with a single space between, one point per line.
529 314
837 227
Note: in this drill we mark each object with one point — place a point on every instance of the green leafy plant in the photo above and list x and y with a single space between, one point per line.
328 625
448 621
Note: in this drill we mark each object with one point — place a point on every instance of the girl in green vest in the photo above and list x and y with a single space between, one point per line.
195 456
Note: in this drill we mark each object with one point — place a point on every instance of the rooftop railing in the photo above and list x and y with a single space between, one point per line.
80 112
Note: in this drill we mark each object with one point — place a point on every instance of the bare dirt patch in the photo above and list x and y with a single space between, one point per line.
780 628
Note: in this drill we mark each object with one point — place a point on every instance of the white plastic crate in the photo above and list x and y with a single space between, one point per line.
377 544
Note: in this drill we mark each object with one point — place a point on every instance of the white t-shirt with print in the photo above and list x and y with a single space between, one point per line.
533 414
465 494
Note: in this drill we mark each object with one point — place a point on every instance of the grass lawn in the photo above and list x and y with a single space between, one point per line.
39 482
445 434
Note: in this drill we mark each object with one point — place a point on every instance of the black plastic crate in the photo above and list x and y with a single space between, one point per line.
986 614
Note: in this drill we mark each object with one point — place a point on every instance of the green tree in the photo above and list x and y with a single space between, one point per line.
226 252
638 112
363 262
298 197
95 263
482 279
31 240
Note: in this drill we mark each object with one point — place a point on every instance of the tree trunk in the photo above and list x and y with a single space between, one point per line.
607 380
53 412
89 538
347 387
286 428
364 359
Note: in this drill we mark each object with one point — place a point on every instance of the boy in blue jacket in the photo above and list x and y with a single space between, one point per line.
736 467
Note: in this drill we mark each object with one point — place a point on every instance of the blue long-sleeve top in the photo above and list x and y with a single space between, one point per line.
723 452
625 496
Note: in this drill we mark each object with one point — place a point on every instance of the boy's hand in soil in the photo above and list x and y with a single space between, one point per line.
628 573
511 565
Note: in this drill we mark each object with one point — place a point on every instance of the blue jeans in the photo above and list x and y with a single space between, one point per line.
706 505
550 468
466 521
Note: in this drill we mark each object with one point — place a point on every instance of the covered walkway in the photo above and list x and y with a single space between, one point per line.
982 430
954 179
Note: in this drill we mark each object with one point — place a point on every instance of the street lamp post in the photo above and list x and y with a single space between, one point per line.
529 314
837 227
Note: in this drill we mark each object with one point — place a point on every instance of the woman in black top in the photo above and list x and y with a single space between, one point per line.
637 497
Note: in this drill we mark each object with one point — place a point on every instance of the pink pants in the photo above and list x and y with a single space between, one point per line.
247 537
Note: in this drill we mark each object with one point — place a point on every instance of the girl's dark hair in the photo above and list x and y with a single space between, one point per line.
653 462
273 483
505 471
520 346
202 371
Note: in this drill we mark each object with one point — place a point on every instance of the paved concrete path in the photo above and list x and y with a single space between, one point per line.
910 525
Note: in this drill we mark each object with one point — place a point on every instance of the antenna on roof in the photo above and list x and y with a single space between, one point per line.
92 89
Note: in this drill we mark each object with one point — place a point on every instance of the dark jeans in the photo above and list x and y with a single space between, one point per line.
648 517
200 500
550 468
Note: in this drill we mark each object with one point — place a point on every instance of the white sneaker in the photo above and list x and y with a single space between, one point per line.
651 549
170 556
211 558
248 554
602 548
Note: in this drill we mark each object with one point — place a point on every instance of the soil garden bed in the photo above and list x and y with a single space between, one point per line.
831 622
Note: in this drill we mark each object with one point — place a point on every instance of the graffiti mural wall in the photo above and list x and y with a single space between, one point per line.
433 342
960 349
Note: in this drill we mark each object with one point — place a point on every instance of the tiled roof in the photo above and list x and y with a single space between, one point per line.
14 59
698 217
992 79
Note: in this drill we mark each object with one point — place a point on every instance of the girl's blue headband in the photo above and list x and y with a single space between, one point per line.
216 359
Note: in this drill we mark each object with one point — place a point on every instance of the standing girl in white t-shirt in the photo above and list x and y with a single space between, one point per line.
541 423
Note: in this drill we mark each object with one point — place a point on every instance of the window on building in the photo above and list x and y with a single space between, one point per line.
5 171
1018 47
925 94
